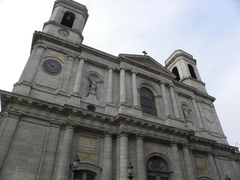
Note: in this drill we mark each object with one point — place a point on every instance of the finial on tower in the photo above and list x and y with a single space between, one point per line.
144 52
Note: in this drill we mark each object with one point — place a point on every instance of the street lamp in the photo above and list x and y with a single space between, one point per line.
130 171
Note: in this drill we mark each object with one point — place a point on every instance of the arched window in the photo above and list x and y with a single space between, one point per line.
84 175
157 169
191 70
68 19
175 72
147 101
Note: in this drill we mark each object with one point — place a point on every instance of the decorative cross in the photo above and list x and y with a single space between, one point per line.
144 52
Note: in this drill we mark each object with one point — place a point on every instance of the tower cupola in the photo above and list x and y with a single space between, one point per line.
67 21
183 66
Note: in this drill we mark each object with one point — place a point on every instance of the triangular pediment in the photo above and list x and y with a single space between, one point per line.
146 62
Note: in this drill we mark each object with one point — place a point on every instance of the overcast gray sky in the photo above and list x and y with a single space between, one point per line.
209 30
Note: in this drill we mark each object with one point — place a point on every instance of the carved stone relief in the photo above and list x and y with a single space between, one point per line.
208 115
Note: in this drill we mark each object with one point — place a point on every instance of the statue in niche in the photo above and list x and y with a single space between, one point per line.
186 113
93 85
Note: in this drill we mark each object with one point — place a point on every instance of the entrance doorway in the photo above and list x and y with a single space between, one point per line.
157 169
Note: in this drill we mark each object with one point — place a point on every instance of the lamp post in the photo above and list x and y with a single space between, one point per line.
130 171
74 166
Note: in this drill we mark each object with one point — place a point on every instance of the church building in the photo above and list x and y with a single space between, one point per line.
78 113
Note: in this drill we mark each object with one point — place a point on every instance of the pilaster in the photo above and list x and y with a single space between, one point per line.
176 162
165 100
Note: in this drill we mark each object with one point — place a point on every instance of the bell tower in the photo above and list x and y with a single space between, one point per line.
183 66
67 21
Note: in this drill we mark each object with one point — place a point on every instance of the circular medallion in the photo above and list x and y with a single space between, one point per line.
52 66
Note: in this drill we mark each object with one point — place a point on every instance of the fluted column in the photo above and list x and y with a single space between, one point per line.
78 81
123 153
110 85
65 154
174 102
197 113
188 163
32 69
107 158
122 86
141 168
176 162
134 88
213 167
165 100
7 133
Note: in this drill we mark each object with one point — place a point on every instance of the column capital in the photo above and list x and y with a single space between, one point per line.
133 71
171 85
81 58
110 67
70 125
122 135
162 82
108 133
174 143
140 136
55 124
122 68
42 46
71 56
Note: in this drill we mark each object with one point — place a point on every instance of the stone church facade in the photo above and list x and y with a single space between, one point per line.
72 99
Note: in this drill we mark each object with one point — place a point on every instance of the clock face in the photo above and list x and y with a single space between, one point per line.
52 66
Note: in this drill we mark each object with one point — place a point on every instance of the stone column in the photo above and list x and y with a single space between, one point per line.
213 167
78 81
67 73
50 151
123 153
176 162
32 69
174 102
188 163
134 89
122 86
197 113
107 158
110 85
65 161
7 133
141 168
165 100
